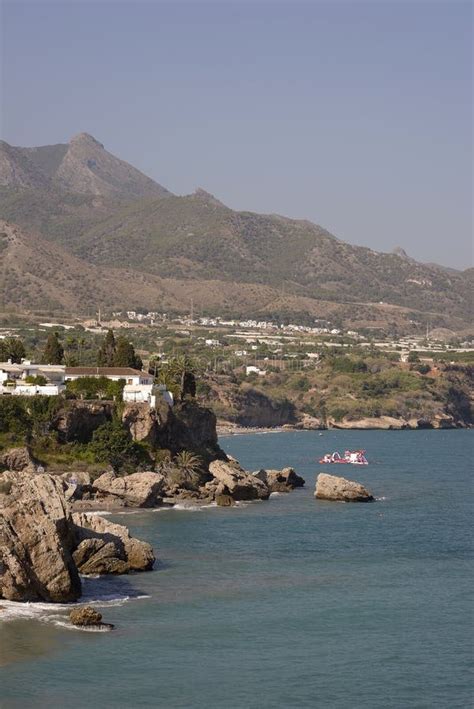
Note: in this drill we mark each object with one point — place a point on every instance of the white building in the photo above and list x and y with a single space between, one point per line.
130 375
147 393
254 370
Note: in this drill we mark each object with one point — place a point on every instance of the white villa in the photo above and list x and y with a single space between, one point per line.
139 386
131 376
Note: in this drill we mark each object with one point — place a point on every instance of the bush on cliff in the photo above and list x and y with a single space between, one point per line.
112 444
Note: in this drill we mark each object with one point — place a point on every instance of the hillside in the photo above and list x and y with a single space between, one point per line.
109 216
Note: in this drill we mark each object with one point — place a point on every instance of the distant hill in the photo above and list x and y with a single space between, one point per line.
110 218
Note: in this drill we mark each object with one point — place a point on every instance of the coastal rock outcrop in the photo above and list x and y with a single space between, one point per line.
36 542
332 487
386 423
234 481
136 490
280 480
104 547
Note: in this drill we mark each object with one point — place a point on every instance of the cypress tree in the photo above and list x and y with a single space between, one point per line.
107 351
125 355
53 351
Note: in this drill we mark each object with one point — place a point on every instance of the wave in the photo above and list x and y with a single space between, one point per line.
184 507
96 592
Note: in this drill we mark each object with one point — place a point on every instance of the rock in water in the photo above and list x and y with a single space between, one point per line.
234 481
225 500
280 480
105 547
88 617
36 543
85 615
331 487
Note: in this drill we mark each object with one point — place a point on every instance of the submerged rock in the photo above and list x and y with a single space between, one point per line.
234 481
331 487
280 480
36 542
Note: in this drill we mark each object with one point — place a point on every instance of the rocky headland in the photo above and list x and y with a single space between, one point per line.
48 538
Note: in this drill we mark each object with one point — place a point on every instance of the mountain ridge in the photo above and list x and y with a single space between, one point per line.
107 215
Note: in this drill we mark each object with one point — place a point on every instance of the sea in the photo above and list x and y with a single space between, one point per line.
288 603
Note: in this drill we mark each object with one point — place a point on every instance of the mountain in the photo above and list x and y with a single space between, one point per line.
83 166
152 248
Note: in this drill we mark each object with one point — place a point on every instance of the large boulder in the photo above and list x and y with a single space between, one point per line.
36 542
99 558
18 459
234 481
136 490
331 487
280 480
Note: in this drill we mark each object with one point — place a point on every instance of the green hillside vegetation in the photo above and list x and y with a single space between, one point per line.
350 388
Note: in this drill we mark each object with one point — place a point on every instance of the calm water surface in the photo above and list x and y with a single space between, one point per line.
287 603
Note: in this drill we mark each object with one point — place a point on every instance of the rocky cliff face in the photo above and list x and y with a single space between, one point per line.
186 426
36 542
78 420
43 547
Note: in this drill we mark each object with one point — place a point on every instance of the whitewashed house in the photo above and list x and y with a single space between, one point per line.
147 393
13 379
130 375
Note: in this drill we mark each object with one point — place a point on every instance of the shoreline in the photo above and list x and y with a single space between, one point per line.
227 430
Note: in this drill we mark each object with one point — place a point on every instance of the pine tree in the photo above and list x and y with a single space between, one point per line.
53 351
107 351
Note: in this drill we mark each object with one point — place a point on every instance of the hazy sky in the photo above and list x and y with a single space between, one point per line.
355 115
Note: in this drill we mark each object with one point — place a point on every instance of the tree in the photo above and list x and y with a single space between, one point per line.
111 443
53 351
125 355
12 348
107 350
178 377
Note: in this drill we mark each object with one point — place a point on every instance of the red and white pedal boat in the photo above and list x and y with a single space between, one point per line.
349 458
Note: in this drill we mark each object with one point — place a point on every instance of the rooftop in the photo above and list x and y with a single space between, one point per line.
110 371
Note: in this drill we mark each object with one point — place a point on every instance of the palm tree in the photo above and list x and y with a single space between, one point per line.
188 462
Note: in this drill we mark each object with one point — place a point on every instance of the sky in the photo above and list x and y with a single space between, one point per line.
355 115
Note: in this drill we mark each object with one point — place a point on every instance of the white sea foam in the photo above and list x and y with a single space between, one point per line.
95 594
183 507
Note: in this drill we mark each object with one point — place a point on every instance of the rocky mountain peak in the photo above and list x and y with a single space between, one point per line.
398 251
85 139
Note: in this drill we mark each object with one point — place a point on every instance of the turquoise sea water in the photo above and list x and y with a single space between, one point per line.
287 603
